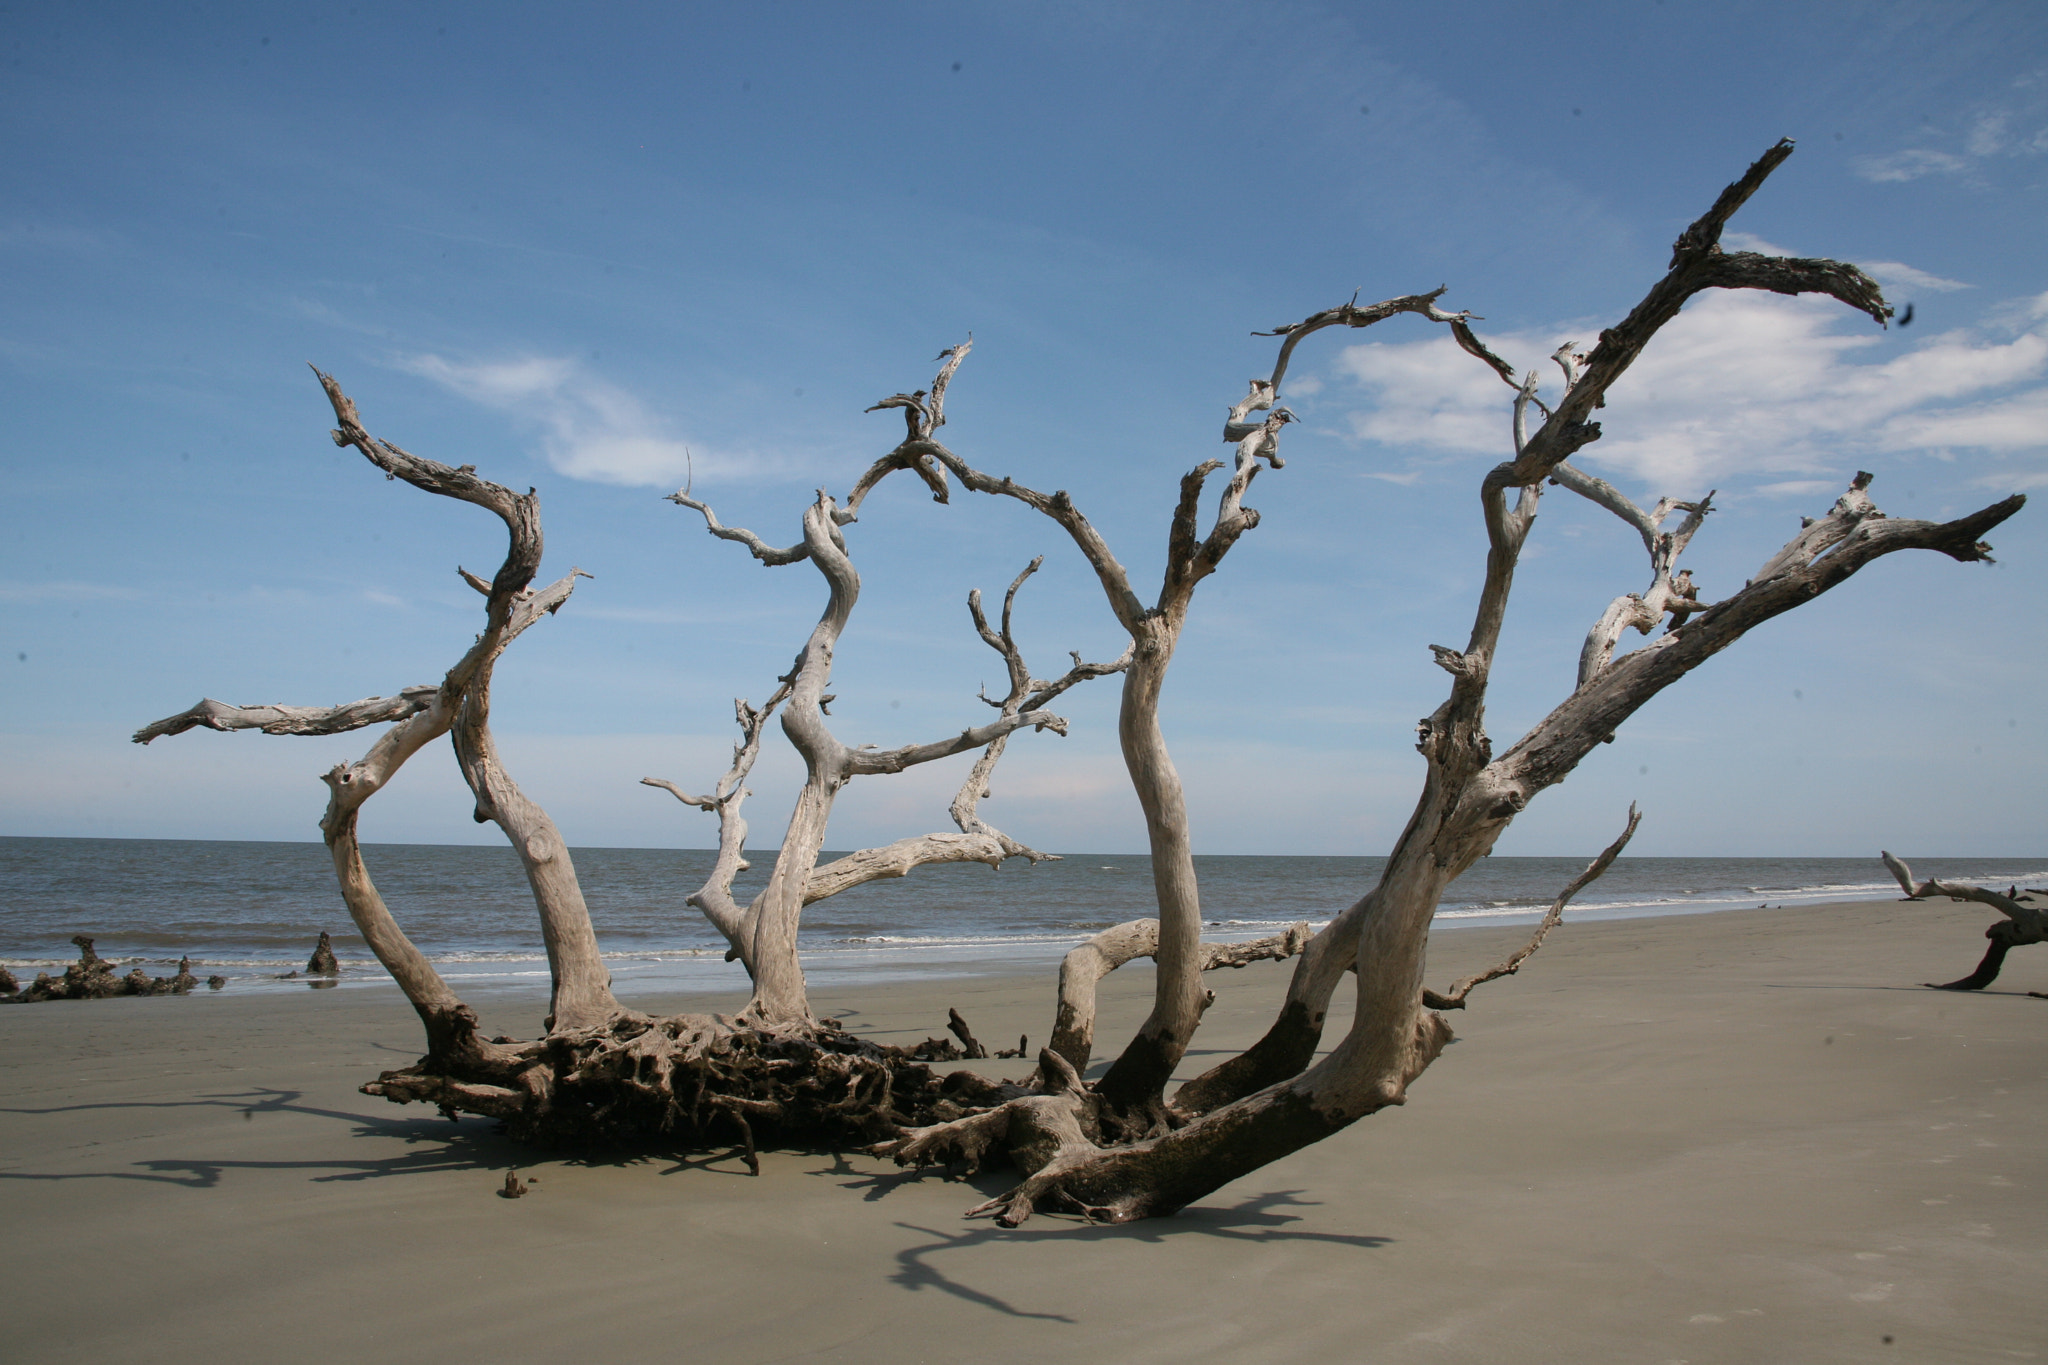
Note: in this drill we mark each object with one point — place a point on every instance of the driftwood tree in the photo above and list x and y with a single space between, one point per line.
763 934
1275 1098
1120 1147
2026 920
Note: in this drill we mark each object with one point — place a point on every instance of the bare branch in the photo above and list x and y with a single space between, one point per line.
714 897
1454 999
900 859
869 762
952 355
1904 874
293 720
1599 705
2027 918
1025 693
1351 315
1461 330
1044 692
924 412
1697 263
1816 537
1597 490
758 547
519 511
701 802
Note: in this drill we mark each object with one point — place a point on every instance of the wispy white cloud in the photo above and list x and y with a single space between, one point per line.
1749 241
2014 124
1909 164
1898 276
1741 385
1796 488
590 428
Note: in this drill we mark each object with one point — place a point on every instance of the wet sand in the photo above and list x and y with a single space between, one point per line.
1744 1136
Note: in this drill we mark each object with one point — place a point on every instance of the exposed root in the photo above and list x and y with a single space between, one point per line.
691 1081
1035 1132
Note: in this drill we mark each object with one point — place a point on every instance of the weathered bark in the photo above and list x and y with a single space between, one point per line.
1469 796
1116 1149
422 715
292 720
2025 922
764 934
1134 1087
582 994
1084 966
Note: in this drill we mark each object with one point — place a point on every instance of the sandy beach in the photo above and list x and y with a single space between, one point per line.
1744 1136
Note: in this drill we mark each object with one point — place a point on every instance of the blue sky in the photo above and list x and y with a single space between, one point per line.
567 247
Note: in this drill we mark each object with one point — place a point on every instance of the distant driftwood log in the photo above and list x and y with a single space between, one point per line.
2026 921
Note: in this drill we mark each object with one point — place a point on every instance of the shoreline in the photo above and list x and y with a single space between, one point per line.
705 970
1727 1137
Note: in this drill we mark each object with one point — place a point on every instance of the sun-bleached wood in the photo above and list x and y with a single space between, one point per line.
2025 922
1277 1097
764 933
459 704
276 719
1084 966
1118 1148
1134 1086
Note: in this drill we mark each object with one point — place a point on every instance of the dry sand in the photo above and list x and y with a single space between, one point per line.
1734 1137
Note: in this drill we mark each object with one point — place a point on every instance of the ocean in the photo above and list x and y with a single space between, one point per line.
252 911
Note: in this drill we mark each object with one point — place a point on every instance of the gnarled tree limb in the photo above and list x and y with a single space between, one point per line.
1469 796
764 934
293 720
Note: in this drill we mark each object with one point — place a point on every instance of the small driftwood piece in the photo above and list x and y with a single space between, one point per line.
970 1046
2024 922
